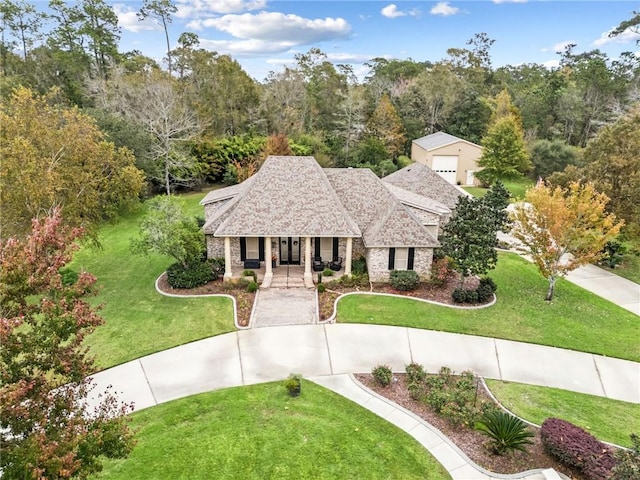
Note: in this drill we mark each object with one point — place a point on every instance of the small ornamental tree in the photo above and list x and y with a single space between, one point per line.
47 429
469 239
563 229
166 229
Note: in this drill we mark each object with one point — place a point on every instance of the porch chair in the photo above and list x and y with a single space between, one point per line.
318 264
336 264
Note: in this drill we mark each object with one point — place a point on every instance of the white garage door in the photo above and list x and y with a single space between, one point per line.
446 166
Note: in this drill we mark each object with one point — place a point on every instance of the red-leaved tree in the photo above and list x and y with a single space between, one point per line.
47 428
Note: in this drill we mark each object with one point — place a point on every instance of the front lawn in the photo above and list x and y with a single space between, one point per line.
260 432
575 319
139 321
607 420
517 188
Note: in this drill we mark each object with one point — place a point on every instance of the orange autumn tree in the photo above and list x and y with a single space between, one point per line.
563 229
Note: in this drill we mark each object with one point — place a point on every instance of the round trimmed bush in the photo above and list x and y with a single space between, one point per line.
194 275
252 287
404 280
321 288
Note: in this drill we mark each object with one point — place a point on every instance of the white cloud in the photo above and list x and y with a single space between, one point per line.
391 11
550 64
245 48
443 8
558 47
627 36
128 19
348 57
191 8
278 28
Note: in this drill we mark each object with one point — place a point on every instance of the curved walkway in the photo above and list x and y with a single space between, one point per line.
321 351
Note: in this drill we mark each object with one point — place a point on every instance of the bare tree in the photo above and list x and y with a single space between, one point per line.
152 99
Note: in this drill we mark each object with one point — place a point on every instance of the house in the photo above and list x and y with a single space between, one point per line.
293 210
454 159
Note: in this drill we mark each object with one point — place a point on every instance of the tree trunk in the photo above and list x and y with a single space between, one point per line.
552 284
167 180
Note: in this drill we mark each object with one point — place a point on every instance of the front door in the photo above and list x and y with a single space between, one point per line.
290 250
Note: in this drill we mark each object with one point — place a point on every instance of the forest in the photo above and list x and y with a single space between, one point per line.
198 118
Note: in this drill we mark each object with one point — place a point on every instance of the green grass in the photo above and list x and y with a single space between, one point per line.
260 432
629 268
575 319
139 321
517 188
608 420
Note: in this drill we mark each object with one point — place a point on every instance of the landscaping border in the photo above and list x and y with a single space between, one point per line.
332 318
175 295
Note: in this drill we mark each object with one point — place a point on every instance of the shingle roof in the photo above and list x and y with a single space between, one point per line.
439 139
226 192
289 196
413 199
420 179
384 221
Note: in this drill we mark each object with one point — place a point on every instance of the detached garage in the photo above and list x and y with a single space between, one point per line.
453 158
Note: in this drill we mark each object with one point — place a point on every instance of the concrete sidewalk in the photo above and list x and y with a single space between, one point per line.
328 354
265 354
608 285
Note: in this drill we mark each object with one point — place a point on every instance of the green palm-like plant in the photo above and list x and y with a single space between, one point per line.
506 431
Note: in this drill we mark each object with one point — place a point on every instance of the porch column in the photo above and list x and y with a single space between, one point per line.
308 279
347 265
268 271
227 258
267 256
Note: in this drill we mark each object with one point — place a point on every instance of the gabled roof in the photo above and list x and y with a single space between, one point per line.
420 179
288 196
384 221
439 139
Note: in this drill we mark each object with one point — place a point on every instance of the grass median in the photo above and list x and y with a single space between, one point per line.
608 420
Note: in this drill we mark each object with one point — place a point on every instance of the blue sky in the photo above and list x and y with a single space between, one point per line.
264 35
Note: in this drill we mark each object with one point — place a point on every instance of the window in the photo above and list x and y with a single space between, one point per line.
253 247
326 249
401 258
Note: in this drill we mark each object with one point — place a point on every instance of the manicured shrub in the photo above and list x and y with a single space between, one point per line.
193 276
321 288
404 280
488 283
484 293
507 432
577 448
252 287
359 266
440 271
250 273
416 390
327 272
382 375
612 254
415 373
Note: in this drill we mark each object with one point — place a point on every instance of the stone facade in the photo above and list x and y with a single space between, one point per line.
378 263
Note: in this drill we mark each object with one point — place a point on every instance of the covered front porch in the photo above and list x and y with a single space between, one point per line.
286 276
265 256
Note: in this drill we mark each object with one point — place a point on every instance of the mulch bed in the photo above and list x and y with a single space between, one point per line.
426 291
244 299
471 442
